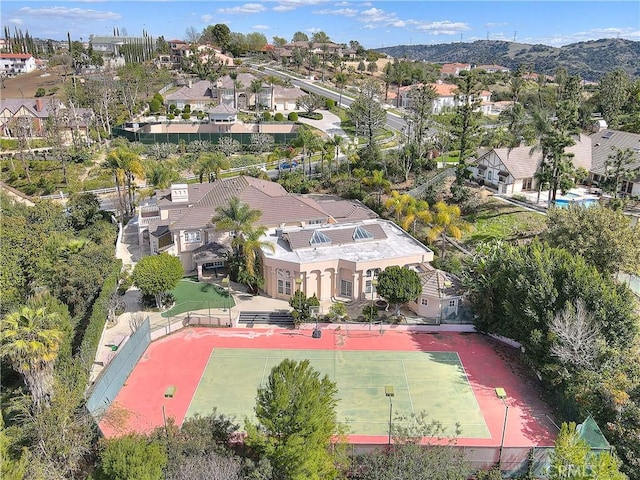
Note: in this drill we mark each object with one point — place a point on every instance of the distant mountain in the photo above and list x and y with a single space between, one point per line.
589 59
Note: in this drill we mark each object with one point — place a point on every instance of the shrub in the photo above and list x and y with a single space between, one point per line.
266 116
312 116
293 117
329 103
98 318
41 92
186 116
172 107
279 117
171 116
187 108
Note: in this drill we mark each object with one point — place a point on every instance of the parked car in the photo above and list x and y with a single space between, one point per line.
286 165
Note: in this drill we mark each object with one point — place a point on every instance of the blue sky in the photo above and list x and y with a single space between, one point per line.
373 23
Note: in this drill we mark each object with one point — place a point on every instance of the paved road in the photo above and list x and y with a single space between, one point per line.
394 120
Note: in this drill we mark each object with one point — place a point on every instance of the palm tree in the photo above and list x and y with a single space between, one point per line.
396 204
416 211
446 221
236 218
30 342
378 184
252 245
340 79
113 162
256 88
211 163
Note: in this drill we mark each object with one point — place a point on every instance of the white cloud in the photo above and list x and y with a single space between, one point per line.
495 24
79 14
260 27
376 15
342 12
313 30
246 8
444 28
16 21
206 18
288 5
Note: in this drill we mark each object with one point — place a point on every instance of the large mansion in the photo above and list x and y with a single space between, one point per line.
324 245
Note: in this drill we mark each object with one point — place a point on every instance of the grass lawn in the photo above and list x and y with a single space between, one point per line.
498 220
192 295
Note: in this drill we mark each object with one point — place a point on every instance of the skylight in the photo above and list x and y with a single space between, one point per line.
319 238
361 234
607 134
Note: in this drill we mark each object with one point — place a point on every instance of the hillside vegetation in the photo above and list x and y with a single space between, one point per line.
590 60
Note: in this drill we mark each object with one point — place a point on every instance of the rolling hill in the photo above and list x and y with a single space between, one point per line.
589 59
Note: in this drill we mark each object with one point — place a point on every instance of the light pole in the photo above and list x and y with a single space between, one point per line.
388 391
502 395
298 284
227 301
374 282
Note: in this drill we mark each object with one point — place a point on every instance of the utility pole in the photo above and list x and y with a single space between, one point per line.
514 36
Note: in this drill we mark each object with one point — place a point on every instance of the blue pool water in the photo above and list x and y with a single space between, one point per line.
585 202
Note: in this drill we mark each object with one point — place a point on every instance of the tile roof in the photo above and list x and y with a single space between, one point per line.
223 108
520 162
226 82
603 143
440 284
198 90
343 210
276 204
23 56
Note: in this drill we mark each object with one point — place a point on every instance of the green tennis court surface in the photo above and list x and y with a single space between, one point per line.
434 382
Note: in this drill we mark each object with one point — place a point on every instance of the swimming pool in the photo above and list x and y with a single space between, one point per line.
585 202
572 195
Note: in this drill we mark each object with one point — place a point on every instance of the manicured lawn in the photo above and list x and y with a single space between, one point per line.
498 220
192 295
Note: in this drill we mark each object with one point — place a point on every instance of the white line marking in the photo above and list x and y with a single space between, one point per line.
406 380
198 387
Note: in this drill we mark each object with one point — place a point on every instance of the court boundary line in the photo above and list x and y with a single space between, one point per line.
406 380
195 392
475 399
456 360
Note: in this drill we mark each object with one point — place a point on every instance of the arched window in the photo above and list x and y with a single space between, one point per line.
284 281
370 275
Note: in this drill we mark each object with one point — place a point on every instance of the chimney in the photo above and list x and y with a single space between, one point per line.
38 104
189 84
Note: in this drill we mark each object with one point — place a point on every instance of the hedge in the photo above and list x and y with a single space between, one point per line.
98 318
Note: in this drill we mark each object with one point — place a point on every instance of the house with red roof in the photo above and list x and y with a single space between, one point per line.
446 97
16 63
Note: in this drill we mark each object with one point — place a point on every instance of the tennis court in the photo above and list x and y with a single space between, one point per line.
434 382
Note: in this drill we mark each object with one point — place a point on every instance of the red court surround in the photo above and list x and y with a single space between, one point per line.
179 360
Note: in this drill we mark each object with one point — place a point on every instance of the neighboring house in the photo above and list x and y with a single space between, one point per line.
223 115
492 68
16 63
111 45
441 296
328 246
198 95
603 143
512 171
17 114
446 97
235 94
454 68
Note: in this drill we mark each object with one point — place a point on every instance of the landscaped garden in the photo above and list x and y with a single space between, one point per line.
495 219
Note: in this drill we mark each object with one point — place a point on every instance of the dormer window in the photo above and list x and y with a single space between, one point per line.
192 237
